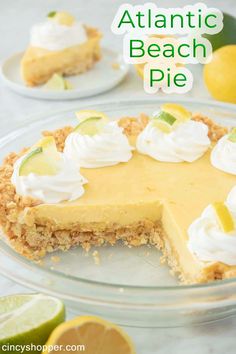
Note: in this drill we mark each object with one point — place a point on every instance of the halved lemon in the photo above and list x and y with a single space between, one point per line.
91 335
42 159
232 135
224 217
63 18
177 110
164 121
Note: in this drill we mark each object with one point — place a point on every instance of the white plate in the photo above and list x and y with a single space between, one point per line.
102 77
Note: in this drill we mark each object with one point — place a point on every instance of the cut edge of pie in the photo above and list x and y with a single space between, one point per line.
39 64
33 239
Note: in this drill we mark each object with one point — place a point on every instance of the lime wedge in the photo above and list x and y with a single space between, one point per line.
68 85
88 113
177 111
42 159
51 14
57 82
232 135
28 319
91 122
164 121
90 126
224 217
63 18
47 143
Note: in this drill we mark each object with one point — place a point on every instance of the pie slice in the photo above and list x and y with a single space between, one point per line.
139 202
39 64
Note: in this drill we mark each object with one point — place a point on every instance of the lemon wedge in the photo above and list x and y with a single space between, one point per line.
63 18
42 159
164 121
224 217
178 111
232 135
57 82
92 335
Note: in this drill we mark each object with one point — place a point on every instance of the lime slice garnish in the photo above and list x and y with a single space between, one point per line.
177 111
224 217
51 14
57 82
164 121
63 18
88 113
68 85
90 126
232 135
26 319
91 122
42 159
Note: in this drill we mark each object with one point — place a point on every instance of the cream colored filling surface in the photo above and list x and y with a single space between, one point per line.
143 189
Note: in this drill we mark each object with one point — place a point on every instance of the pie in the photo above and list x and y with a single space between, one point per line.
39 64
141 201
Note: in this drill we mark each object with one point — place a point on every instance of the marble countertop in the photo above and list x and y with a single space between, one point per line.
16 18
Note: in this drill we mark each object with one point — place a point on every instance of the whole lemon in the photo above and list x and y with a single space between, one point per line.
220 74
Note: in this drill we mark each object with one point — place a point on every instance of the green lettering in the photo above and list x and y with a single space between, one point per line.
206 21
153 50
181 54
128 21
172 22
180 80
169 49
159 78
134 48
160 19
140 16
197 45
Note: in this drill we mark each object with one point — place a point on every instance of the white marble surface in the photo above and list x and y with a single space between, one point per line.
15 19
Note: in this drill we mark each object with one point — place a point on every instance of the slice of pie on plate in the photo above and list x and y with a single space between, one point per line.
60 45
125 189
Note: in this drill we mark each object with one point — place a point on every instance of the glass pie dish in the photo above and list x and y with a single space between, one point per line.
125 285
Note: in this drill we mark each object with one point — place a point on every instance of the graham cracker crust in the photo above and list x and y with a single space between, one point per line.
34 240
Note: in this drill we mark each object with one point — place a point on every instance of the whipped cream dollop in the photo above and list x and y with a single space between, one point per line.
208 242
231 200
67 185
107 148
187 142
223 155
52 36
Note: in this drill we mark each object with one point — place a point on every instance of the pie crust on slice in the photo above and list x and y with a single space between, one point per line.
139 202
38 64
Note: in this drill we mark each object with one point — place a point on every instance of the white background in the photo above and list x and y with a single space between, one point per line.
16 17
